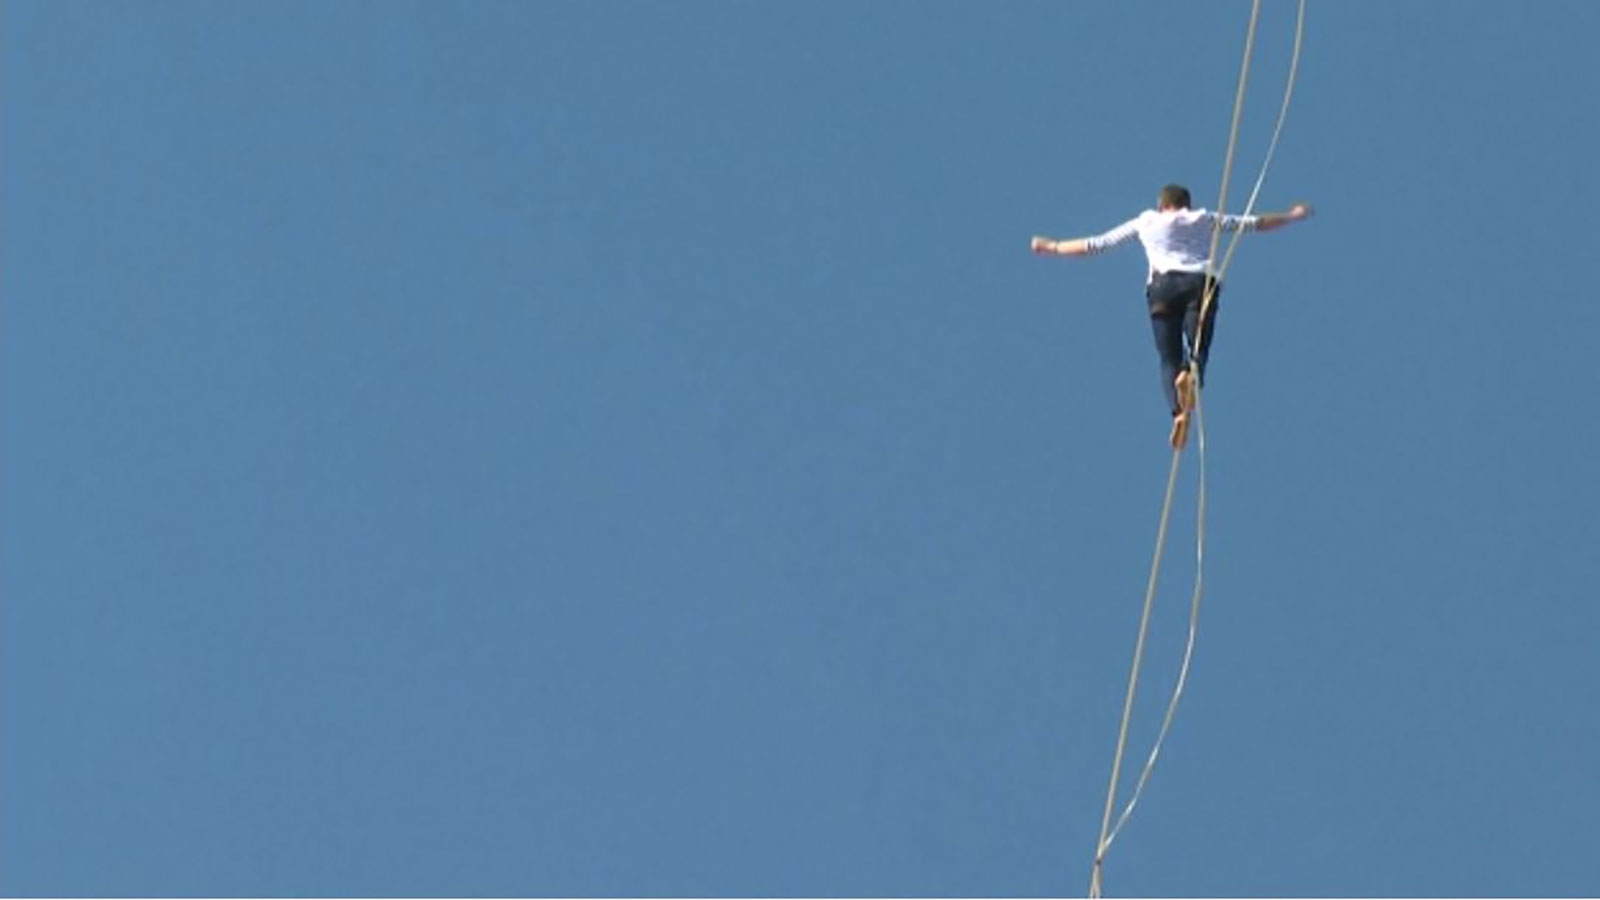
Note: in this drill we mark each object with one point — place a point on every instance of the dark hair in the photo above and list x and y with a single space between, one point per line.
1174 195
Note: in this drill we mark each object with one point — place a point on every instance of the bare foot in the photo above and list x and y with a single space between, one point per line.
1180 430
1185 385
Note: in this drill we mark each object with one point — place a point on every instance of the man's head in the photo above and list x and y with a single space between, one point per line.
1173 196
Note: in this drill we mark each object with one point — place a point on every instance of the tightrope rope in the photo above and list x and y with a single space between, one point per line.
1108 832
1200 427
1102 845
1133 678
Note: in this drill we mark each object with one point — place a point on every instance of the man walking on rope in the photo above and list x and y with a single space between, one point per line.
1177 243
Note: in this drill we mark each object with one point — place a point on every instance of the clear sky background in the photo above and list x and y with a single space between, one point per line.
626 448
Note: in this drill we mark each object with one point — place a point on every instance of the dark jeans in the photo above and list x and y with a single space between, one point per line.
1175 299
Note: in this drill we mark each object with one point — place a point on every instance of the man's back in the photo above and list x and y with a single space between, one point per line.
1175 240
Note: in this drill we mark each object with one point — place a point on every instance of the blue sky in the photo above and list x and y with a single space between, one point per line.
624 448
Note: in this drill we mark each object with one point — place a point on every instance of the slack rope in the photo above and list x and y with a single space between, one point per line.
1108 832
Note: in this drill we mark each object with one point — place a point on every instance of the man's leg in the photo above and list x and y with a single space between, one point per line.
1191 316
1170 294
1166 326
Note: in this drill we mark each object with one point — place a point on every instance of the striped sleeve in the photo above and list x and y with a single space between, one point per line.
1238 223
1121 234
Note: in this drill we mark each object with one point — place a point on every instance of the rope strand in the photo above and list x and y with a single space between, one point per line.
1133 678
1108 832
1096 876
1200 427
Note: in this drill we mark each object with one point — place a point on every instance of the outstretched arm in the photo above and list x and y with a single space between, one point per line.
1086 246
1051 247
1273 221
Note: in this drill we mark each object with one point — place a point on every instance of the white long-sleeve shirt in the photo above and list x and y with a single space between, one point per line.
1175 240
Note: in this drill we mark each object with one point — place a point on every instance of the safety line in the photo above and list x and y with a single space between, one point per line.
1102 845
1107 832
1277 130
1200 499
1133 676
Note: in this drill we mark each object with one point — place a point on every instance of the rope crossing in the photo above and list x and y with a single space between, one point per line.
1108 830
